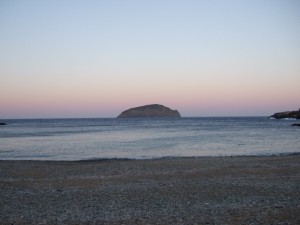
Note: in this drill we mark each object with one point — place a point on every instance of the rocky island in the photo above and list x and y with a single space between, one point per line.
287 115
154 110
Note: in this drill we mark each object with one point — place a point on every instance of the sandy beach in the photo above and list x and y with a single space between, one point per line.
213 190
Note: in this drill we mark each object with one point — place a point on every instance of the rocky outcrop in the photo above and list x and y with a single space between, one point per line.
154 110
287 115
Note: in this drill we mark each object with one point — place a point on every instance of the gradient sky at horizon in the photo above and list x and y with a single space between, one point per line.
98 58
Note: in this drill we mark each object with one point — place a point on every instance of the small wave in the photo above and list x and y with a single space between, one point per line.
104 159
272 118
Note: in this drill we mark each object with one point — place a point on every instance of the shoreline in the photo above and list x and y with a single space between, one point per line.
178 157
156 158
214 190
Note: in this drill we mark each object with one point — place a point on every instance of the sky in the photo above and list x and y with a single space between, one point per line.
68 59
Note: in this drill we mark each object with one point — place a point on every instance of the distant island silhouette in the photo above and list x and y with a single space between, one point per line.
153 110
287 115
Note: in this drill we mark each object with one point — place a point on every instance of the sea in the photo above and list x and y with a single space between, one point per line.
147 138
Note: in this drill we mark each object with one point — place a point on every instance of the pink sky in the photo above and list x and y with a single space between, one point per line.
93 99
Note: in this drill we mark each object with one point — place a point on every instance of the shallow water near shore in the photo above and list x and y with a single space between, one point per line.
82 139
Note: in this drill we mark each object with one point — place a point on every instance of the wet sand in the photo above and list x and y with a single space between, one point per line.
220 190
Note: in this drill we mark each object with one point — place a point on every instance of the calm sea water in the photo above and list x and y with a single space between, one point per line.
80 139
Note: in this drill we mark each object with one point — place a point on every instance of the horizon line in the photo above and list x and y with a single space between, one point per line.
61 118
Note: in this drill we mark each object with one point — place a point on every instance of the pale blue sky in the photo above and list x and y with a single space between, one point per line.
117 53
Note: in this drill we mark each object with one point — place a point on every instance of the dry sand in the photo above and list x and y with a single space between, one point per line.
221 190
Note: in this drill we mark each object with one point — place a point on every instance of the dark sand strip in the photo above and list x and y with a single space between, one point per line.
222 190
